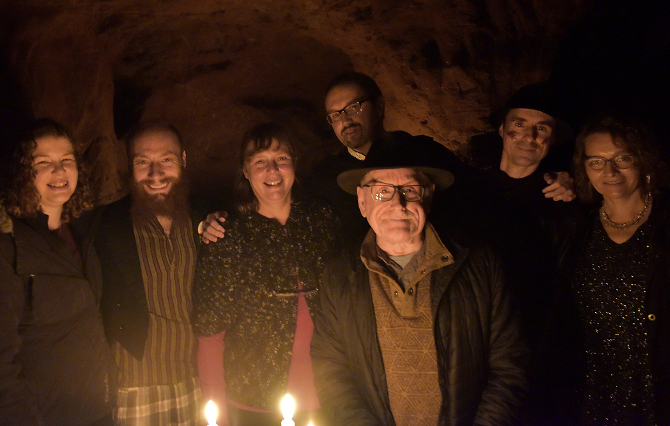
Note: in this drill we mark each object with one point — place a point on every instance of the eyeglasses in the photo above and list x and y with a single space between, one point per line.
623 161
383 193
350 109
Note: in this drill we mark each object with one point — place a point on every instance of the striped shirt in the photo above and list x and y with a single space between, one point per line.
168 267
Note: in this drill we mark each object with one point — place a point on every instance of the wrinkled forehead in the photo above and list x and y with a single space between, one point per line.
397 176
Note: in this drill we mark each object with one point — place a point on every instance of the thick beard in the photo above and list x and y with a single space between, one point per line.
146 208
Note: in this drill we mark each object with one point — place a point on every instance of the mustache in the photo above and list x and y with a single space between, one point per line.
162 181
350 126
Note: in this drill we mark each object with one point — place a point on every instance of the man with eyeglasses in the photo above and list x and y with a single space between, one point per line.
355 110
414 329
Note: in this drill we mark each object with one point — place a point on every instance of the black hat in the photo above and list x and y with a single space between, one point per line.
540 97
395 158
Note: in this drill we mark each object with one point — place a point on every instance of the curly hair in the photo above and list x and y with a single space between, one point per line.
21 197
259 138
636 139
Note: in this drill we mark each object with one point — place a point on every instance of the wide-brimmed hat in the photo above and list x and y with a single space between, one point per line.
394 159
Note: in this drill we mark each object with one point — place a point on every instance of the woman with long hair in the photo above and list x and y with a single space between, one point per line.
621 281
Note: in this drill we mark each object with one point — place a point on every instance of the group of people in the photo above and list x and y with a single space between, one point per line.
96 303
397 286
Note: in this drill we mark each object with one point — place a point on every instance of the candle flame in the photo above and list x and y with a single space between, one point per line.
211 412
287 407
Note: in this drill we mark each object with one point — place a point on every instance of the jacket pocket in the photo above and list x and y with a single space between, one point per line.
59 298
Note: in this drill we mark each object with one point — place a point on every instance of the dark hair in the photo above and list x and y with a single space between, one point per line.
364 82
21 198
149 126
636 139
259 138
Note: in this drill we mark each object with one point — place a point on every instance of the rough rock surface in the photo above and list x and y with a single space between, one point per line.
216 67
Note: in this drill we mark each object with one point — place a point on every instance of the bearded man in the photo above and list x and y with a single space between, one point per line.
148 250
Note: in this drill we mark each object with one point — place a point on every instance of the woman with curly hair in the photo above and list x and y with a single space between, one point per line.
621 281
55 364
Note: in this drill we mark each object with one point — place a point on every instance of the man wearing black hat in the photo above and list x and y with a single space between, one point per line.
529 128
414 329
355 110
530 234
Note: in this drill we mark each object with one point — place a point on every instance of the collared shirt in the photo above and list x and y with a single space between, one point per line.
401 284
401 298
168 267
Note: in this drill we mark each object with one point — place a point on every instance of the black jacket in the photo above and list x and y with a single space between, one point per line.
531 235
55 365
480 352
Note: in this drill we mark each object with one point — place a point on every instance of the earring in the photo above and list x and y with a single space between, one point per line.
648 179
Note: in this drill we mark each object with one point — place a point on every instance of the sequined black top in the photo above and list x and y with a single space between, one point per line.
610 286
246 284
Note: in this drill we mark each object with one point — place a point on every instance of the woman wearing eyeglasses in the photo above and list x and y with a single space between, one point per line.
621 280
257 289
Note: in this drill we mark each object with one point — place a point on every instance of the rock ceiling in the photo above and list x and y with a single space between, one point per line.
216 67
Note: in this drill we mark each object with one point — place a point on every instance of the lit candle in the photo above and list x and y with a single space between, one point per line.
287 409
211 413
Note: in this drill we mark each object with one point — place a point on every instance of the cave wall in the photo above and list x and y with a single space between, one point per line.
215 67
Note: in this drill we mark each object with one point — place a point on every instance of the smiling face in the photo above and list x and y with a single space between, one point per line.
271 174
527 136
398 224
356 131
55 172
157 163
610 182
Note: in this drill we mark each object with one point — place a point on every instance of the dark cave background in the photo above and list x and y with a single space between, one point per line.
216 67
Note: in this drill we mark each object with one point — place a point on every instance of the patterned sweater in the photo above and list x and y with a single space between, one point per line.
246 284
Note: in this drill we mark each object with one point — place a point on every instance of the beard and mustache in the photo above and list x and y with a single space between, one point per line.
146 208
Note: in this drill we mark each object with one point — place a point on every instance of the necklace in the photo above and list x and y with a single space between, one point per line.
634 221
